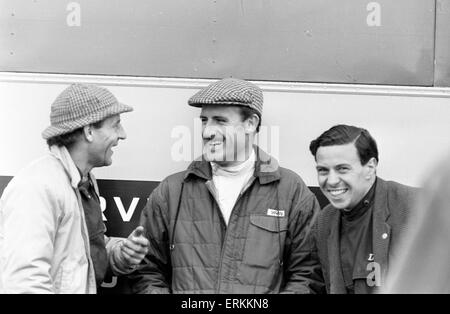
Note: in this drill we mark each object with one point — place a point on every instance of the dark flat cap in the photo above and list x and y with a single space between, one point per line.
230 91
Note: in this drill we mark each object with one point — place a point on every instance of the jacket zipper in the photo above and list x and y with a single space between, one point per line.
219 275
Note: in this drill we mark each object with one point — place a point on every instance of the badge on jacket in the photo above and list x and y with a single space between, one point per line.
275 213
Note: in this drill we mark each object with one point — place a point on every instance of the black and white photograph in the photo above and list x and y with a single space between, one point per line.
224 150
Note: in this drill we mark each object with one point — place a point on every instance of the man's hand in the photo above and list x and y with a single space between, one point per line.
135 247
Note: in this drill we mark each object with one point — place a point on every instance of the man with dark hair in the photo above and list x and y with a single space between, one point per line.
52 236
234 221
357 232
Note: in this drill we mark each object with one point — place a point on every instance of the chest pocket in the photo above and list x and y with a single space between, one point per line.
265 240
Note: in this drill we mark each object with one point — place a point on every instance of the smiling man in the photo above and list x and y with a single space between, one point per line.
358 231
234 221
51 228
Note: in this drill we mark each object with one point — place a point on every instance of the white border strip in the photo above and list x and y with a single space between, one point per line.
292 87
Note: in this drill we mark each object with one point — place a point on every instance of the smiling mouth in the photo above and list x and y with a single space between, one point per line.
337 192
215 143
113 147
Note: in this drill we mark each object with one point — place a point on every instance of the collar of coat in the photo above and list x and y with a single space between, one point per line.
62 154
266 168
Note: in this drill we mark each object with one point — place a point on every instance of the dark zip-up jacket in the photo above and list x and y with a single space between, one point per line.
266 247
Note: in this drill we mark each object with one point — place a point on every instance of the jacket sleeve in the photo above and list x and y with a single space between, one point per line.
155 275
28 225
302 269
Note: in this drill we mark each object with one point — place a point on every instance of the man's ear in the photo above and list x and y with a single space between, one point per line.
87 132
252 123
371 168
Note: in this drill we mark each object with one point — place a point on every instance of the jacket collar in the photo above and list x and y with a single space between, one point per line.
337 285
381 229
62 154
381 201
266 168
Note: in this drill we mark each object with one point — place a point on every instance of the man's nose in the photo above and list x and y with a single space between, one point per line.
122 133
209 131
333 178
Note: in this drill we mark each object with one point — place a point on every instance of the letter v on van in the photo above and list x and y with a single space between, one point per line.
275 212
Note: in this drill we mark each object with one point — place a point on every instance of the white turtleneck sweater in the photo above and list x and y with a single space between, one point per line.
229 182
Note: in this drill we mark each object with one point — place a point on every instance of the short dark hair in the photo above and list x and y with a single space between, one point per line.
247 112
68 139
344 134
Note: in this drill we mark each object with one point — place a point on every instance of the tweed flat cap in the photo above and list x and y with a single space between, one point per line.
230 91
80 105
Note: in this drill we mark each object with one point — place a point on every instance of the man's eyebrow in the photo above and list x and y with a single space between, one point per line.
215 117
343 165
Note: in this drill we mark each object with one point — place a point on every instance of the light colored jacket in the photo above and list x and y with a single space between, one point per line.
44 244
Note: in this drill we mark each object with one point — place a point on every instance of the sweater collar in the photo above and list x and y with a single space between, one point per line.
362 207
233 171
266 168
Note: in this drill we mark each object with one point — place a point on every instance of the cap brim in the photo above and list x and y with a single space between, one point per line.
195 104
220 103
64 128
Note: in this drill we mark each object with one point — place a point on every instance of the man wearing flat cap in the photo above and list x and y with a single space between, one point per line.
51 228
234 221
